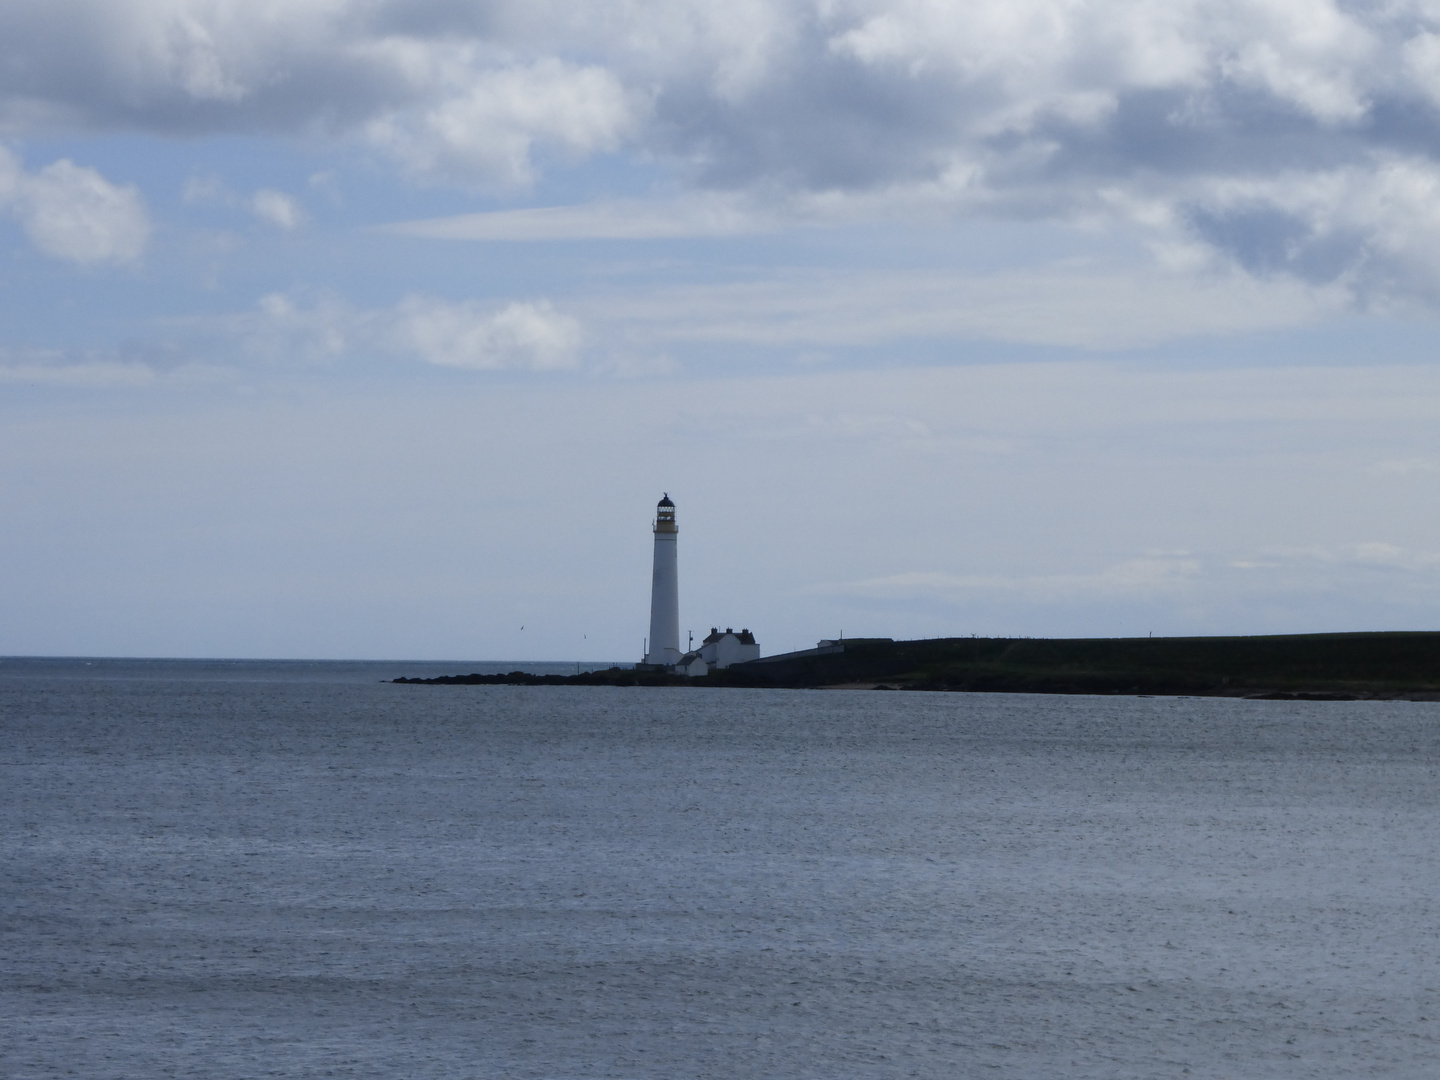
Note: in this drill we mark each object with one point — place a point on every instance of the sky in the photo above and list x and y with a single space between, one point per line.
376 328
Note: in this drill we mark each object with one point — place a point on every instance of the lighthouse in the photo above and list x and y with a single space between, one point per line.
664 642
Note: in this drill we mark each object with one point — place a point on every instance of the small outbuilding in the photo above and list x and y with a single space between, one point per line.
692 665
720 650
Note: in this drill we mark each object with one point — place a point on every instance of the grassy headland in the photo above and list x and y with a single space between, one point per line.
1373 665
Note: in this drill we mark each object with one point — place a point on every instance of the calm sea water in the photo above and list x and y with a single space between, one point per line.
243 870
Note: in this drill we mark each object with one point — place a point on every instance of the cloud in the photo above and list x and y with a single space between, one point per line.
530 336
1077 305
277 209
99 374
107 369
1206 587
486 127
73 213
270 207
283 331
517 336
1373 226
624 330
707 214
1372 554
1146 576
1295 137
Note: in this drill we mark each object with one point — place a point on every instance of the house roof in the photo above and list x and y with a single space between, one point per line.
743 636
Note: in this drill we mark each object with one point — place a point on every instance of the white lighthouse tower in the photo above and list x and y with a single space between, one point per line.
664 643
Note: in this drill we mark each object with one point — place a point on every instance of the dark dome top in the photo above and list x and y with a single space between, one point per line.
665 501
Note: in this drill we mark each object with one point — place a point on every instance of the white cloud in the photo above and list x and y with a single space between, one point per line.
1311 123
1372 553
282 331
271 207
531 336
483 124
1146 576
1209 587
1077 305
1314 55
73 213
699 215
277 209
520 335
486 125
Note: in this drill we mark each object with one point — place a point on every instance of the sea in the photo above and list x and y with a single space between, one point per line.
229 869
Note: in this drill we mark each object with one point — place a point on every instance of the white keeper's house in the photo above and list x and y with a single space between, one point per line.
720 650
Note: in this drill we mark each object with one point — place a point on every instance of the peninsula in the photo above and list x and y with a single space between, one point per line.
1390 665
